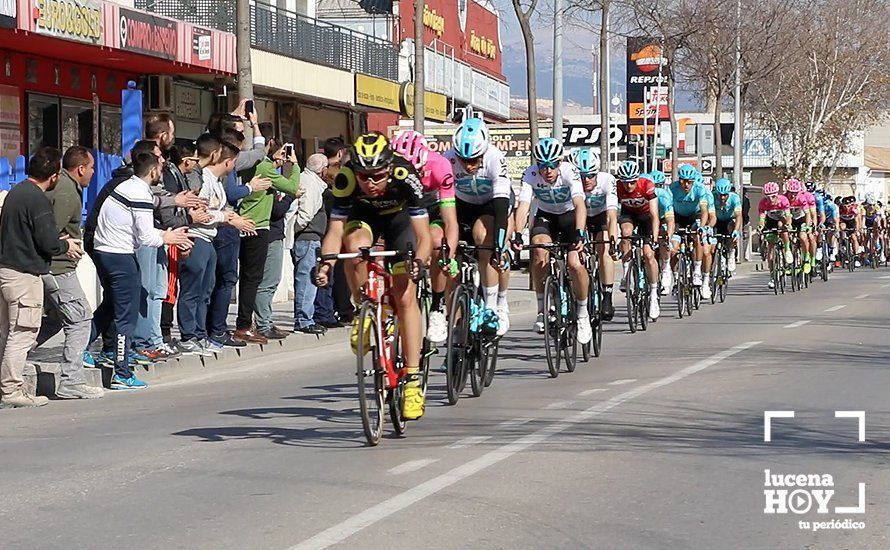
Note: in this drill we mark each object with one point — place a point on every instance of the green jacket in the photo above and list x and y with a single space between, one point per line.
257 206
67 201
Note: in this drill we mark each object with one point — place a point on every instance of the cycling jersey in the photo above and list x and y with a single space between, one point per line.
636 202
489 182
819 198
665 203
603 196
556 197
689 203
870 211
774 211
832 212
404 192
849 212
799 205
728 210
437 180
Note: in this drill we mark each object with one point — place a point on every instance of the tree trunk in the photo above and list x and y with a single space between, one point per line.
525 25
419 67
675 139
718 137
604 88
242 51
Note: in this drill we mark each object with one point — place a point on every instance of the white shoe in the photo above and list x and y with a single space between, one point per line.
706 290
833 256
666 283
858 263
585 331
503 321
696 279
771 285
654 308
819 254
730 263
860 249
883 258
539 324
789 257
437 332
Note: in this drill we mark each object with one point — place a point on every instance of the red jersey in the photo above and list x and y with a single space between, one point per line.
849 211
637 201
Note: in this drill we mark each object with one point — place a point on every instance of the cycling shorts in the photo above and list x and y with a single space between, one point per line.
771 223
560 227
685 222
597 224
850 224
724 227
395 229
642 222
870 221
468 213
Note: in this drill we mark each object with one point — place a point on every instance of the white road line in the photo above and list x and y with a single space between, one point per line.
585 393
412 466
622 381
515 422
559 405
378 512
796 324
861 296
468 441
835 308
884 277
885 286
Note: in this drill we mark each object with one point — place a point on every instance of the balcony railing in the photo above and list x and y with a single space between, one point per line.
290 34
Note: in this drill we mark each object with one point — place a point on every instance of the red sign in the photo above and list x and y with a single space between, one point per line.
148 34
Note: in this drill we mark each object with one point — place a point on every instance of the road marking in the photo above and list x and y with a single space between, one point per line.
468 441
382 510
585 393
884 277
412 466
885 286
796 324
861 296
835 308
559 405
515 422
622 381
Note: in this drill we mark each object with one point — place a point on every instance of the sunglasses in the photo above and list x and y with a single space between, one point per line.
548 165
722 195
373 177
588 175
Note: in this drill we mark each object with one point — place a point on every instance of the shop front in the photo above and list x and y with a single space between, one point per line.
386 102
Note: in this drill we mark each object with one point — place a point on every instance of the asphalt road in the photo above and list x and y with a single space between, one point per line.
657 444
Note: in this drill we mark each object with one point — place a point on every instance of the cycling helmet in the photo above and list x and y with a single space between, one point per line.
587 161
870 198
657 177
628 170
371 152
413 146
771 188
687 172
848 200
470 139
723 187
828 197
699 179
548 151
810 186
793 186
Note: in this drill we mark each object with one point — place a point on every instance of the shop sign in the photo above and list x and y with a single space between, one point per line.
79 20
376 92
645 60
7 13
433 21
202 43
485 47
435 106
187 103
148 34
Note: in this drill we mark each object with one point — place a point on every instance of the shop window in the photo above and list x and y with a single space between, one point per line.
43 122
110 129
62 122
77 123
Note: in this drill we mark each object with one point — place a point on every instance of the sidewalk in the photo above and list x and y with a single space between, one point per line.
40 373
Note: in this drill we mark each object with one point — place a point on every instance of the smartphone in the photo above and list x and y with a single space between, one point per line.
288 150
248 107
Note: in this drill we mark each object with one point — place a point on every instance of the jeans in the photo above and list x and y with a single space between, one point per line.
21 307
304 257
271 278
67 309
153 272
253 262
226 243
119 276
197 273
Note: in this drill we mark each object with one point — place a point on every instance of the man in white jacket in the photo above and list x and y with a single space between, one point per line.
309 224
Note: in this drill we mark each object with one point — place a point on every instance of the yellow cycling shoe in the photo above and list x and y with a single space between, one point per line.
414 402
366 334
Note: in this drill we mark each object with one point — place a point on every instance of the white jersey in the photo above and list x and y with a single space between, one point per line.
556 197
489 182
602 197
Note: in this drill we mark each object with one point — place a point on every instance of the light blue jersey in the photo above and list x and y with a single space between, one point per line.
831 210
691 203
730 209
665 202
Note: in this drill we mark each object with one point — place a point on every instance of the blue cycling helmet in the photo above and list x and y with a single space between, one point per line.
723 187
699 179
657 177
628 170
687 172
548 151
470 139
587 161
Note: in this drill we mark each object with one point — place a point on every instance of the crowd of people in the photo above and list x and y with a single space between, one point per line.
171 234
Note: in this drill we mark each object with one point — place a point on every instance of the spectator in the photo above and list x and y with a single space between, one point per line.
272 271
67 307
310 223
30 241
334 301
125 223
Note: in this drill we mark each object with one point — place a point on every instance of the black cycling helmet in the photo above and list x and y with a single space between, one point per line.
848 200
371 152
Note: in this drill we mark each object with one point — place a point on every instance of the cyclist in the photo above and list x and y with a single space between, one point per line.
691 211
668 240
775 214
851 220
484 202
601 199
639 210
832 215
819 220
872 216
379 194
709 243
883 221
562 217
728 206
438 195
801 218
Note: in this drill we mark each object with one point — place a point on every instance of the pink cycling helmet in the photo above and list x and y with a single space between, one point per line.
793 185
771 188
413 146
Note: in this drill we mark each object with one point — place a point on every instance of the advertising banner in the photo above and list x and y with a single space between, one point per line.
647 95
79 20
148 34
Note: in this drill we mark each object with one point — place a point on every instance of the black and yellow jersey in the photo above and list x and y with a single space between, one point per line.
403 192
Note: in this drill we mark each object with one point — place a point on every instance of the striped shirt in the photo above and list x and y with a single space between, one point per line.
126 221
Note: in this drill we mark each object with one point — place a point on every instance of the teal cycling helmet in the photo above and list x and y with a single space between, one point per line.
628 170
699 179
657 177
687 172
548 151
723 187
470 139
587 161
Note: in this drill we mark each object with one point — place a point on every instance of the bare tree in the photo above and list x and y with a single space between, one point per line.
242 49
524 14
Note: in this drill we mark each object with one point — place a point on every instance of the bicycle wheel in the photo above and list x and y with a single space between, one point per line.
631 296
680 284
596 316
490 357
457 343
371 384
397 394
643 296
716 274
476 367
570 332
592 301
552 324
851 260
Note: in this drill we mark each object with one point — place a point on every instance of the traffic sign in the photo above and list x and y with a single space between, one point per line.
660 151
707 167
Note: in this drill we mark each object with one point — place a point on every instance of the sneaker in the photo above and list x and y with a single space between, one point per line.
818 254
608 310
413 406
771 284
88 360
213 346
858 263
832 256
622 286
226 340
139 358
539 323
696 279
807 267
789 257
654 308
194 347
131 383
503 320
666 283
171 351
366 334
105 359
585 331
706 290
79 391
156 354
314 329
20 400
730 263
437 332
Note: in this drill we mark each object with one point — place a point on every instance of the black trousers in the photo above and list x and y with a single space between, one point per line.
252 257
